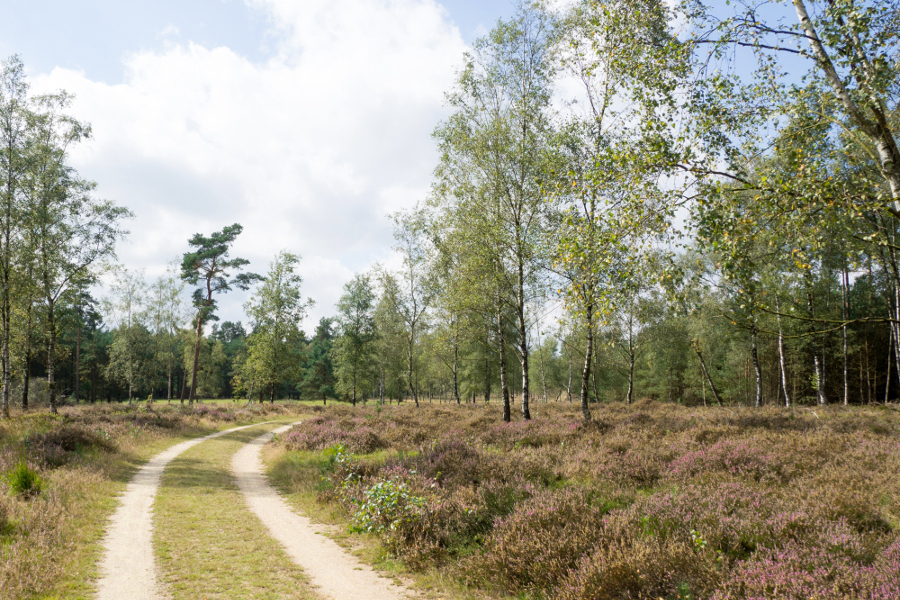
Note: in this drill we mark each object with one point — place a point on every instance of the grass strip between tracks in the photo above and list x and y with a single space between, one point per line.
208 544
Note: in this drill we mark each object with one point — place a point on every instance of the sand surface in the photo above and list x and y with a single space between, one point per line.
128 570
337 574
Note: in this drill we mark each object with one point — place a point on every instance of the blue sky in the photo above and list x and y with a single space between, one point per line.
94 36
307 121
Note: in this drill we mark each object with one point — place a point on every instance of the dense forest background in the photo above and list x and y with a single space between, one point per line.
689 202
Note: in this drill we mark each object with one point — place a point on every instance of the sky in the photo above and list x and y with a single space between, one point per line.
306 121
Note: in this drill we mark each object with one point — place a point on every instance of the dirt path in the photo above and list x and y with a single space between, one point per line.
337 575
128 570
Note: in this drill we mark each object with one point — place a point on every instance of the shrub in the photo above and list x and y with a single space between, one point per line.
798 572
58 446
639 568
320 433
387 505
543 538
739 504
24 481
737 457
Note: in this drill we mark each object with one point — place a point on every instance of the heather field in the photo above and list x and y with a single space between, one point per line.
60 474
647 501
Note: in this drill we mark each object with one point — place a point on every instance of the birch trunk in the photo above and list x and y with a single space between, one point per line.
586 370
781 366
504 388
523 344
757 371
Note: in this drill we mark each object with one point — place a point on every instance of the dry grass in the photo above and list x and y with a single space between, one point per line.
50 543
208 543
647 501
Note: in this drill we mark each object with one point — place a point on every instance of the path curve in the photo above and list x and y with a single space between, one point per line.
338 575
128 569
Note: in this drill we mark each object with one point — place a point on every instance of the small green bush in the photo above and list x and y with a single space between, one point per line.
24 481
387 504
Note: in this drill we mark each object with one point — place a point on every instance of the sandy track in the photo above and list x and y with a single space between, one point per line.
337 575
128 570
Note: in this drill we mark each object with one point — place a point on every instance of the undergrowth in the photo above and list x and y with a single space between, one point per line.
647 501
59 475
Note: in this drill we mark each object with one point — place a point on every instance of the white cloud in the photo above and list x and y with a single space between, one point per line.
169 30
307 151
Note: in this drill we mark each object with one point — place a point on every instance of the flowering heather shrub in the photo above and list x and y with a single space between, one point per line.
518 434
741 457
320 433
546 535
214 412
639 568
631 466
708 503
798 572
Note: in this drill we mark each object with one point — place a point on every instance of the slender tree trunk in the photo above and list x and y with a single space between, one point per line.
820 379
487 369
712 386
504 387
782 369
588 361
845 310
754 354
887 379
26 370
196 355
456 372
26 376
703 386
543 375
409 355
51 350
629 397
78 363
184 380
5 262
523 343
869 377
895 326
817 363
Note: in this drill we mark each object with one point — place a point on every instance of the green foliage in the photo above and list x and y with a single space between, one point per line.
208 264
352 351
23 480
274 348
386 505
318 372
